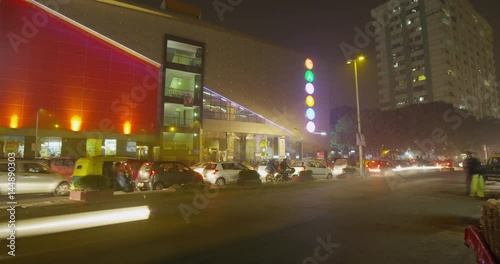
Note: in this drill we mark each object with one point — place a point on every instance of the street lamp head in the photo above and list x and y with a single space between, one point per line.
358 58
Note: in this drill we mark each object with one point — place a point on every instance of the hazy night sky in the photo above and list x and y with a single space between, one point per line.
317 28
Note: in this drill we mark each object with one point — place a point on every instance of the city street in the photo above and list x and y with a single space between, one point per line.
392 219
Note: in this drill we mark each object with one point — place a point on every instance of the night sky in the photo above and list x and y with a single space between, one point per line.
317 28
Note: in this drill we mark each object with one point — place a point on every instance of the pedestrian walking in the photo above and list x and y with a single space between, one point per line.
472 167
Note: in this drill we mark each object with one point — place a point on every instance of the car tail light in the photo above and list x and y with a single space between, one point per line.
214 172
152 173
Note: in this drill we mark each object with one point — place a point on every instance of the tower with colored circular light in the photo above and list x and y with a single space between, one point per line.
309 88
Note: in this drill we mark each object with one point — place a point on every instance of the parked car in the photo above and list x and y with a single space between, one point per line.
32 177
199 167
158 175
319 168
222 173
380 167
61 165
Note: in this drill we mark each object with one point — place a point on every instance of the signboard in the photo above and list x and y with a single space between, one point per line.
34 146
131 146
281 147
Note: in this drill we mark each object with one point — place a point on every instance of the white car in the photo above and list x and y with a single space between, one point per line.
199 167
319 169
222 173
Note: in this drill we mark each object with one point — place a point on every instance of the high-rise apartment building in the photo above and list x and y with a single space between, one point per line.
435 50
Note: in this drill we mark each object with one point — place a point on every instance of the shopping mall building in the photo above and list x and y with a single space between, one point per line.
107 77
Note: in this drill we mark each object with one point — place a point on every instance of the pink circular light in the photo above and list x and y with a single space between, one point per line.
310 126
309 88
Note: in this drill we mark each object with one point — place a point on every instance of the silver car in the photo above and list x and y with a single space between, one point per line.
31 177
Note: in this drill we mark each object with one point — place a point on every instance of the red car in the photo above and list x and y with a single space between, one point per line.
379 167
445 164
61 165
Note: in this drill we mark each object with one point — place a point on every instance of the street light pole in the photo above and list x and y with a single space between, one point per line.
361 163
360 137
301 143
36 131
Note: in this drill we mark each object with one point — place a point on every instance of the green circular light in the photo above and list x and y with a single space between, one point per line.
309 76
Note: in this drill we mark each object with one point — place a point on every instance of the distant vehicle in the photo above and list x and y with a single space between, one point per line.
445 164
380 167
33 177
341 163
158 175
400 164
319 168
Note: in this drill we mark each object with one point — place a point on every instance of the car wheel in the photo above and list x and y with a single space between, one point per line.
220 181
158 186
329 176
62 189
198 183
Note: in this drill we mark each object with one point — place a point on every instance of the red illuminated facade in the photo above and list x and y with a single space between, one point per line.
81 85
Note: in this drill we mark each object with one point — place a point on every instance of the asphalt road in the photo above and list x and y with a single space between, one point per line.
410 219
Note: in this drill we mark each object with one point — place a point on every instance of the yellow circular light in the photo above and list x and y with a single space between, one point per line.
309 64
310 101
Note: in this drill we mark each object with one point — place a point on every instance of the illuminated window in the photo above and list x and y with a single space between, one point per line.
50 146
109 147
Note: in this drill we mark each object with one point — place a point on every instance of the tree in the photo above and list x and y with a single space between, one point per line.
343 136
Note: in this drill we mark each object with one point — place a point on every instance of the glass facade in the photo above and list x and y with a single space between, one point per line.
216 106
182 100
184 54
